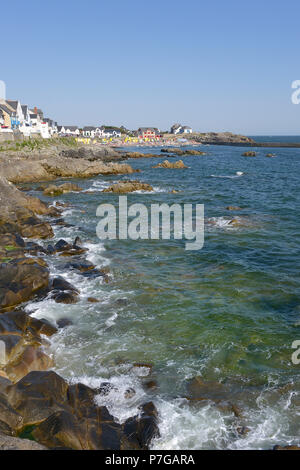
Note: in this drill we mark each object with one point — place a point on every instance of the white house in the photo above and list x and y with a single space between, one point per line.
179 129
108 133
16 120
91 131
186 130
68 130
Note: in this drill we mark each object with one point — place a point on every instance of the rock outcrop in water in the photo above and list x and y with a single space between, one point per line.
166 164
64 188
182 152
224 138
128 187
249 154
42 168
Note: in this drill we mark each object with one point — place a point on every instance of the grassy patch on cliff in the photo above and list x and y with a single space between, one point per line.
37 144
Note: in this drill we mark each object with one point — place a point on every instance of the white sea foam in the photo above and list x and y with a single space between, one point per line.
220 222
238 174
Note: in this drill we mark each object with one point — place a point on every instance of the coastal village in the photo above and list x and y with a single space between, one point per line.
17 119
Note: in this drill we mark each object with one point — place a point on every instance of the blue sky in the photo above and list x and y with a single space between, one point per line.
218 65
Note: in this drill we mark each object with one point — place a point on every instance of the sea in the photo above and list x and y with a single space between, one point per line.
228 313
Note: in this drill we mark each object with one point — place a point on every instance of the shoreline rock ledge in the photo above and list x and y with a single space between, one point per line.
43 407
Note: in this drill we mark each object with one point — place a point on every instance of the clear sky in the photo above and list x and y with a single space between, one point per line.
215 65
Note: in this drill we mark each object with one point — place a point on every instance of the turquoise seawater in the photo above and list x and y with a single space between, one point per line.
228 312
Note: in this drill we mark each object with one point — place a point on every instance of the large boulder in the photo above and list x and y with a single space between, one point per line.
19 213
30 359
19 323
21 335
59 415
141 430
38 395
63 429
20 280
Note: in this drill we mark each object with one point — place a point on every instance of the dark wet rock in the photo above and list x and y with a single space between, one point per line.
21 324
77 242
81 399
74 251
31 358
62 429
105 388
10 420
50 249
141 430
20 280
14 344
94 273
62 245
42 405
6 430
22 337
4 383
59 283
65 297
270 155
64 322
61 222
80 265
38 395
62 204
34 248
93 300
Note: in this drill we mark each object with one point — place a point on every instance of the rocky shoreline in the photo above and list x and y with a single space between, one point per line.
38 408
